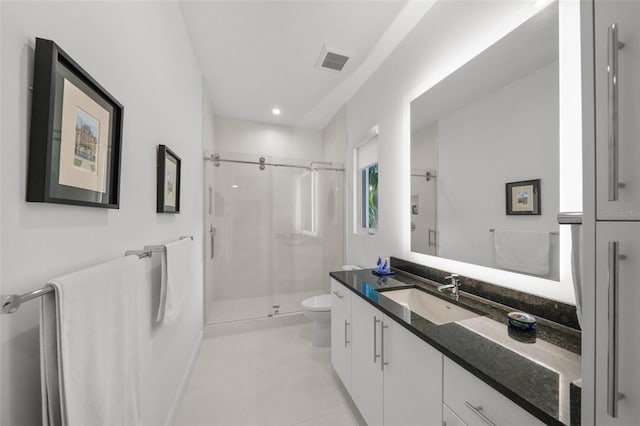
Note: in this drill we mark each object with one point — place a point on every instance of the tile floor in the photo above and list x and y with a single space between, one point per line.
265 377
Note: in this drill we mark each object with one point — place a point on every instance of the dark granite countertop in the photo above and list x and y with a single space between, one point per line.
532 370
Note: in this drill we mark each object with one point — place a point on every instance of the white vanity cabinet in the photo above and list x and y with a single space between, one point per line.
396 377
617 345
412 378
366 371
617 85
476 403
341 331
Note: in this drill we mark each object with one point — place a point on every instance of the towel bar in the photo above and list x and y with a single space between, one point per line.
550 232
11 302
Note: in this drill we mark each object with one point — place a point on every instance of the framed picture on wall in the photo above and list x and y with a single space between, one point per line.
76 134
168 181
523 198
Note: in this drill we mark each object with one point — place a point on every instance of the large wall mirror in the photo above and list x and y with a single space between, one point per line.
489 125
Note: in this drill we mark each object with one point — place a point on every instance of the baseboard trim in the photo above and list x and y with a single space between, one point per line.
214 330
184 383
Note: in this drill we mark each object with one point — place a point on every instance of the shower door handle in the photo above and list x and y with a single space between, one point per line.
212 239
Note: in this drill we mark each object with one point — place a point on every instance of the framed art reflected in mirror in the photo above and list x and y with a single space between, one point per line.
523 198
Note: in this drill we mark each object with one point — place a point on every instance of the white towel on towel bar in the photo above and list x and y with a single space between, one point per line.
90 346
177 273
522 251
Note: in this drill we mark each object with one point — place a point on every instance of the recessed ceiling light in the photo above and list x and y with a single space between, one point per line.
276 111
234 186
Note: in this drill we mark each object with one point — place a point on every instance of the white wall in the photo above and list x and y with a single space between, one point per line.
450 34
252 137
331 199
141 54
509 135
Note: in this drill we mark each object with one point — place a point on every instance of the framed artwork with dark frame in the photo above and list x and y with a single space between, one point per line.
76 134
168 181
523 198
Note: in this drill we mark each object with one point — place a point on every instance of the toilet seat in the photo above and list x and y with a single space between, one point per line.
318 303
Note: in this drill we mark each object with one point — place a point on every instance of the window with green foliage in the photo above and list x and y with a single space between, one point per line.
369 206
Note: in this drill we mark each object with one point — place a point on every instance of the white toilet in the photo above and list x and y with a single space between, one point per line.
318 310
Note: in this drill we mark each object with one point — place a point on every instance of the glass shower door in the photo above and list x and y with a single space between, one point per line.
241 289
308 235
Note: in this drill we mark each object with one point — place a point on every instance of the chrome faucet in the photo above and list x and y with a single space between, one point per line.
455 283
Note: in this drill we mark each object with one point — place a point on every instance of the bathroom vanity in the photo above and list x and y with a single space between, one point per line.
405 358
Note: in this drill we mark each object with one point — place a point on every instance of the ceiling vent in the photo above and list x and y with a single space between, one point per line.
332 60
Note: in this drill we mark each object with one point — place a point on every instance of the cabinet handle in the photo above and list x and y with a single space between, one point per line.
613 396
479 413
345 333
382 361
612 99
375 338
337 294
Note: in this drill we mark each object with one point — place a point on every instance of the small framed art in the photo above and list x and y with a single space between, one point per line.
523 198
168 181
76 134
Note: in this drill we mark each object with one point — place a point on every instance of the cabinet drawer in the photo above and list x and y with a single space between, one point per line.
478 404
340 295
449 418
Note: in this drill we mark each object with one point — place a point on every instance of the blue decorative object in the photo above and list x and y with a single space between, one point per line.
383 273
521 321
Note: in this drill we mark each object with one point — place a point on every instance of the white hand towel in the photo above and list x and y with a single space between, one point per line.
177 273
90 333
522 251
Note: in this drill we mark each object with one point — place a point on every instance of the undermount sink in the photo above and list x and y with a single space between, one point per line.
434 309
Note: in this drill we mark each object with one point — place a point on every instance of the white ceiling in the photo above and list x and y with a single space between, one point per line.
257 55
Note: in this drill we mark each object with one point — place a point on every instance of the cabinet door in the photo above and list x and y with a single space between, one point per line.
366 372
617 281
340 331
617 116
412 378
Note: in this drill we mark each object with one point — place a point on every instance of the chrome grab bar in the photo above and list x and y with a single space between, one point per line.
612 99
613 396
478 411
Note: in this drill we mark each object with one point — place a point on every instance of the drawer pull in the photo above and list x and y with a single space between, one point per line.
337 294
479 413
